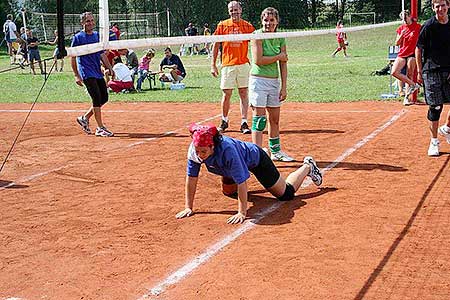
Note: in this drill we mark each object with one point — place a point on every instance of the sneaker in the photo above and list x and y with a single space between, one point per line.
445 131
314 172
411 89
281 156
433 150
84 123
406 101
103 131
223 126
245 129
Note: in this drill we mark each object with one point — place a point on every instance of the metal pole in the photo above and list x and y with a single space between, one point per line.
168 22
60 18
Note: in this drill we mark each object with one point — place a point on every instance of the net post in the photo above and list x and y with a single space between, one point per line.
60 25
168 22
103 16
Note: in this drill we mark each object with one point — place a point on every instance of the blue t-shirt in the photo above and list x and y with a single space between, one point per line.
174 60
231 158
88 65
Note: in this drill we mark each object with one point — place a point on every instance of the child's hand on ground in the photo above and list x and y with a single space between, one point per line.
237 218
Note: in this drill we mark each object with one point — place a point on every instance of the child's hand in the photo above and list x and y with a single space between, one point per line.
237 218
187 212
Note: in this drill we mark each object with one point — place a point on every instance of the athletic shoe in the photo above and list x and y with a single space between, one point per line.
281 156
433 150
223 126
412 88
406 101
103 131
445 131
314 171
84 123
245 129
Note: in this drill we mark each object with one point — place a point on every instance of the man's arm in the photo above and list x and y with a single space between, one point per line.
73 63
242 205
419 66
215 53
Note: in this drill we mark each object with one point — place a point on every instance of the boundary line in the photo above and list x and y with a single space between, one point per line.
211 251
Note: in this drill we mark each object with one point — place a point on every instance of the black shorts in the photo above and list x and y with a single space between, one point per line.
437 87
97 90
266 172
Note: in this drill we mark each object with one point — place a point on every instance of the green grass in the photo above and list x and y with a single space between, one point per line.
313 75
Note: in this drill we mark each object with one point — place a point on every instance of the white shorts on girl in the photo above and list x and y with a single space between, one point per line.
264 92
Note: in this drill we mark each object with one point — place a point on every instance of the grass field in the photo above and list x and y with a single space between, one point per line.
314 76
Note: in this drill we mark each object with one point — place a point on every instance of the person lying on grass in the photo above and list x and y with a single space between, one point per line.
235 159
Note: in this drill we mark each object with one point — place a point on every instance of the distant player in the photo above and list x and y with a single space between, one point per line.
87 71
236 159
341 38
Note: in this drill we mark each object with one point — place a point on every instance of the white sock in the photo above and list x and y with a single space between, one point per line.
243 121
225 119
434 140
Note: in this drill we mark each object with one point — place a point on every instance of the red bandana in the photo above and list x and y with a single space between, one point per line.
203 135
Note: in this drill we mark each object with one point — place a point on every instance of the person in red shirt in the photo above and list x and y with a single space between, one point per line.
407 36
341 38
116 30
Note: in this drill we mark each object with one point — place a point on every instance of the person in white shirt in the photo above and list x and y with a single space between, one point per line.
122 77
11 36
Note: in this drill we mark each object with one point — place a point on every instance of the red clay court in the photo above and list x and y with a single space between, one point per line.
94 218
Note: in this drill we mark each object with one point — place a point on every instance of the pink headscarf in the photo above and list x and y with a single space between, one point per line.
203 135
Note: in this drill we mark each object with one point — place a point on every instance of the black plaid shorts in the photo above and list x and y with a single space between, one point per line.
437 87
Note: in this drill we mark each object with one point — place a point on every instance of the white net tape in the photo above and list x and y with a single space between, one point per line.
180 40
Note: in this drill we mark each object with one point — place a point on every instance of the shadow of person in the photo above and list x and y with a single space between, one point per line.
285 211
7 184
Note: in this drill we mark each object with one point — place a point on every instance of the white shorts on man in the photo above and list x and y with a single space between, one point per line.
264 92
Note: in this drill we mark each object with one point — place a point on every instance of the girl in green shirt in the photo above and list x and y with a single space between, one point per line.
269 62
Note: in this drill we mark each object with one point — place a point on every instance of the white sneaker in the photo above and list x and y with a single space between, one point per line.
281 156
103 131
314 171
84 123
406 101
433 150
445 131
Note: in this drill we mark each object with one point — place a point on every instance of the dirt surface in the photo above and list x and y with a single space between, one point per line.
84 217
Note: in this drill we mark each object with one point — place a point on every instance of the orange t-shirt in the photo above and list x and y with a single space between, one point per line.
234 53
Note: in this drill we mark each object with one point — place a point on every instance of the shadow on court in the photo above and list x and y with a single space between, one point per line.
379 269
286 211
351 166
11 185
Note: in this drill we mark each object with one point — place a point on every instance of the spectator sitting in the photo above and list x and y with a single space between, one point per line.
33 51
122 77
173 63
144 67
132 61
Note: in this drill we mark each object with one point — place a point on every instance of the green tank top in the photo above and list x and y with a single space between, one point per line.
270 47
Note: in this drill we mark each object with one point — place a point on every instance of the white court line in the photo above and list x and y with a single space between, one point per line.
178 111
41 174
188 268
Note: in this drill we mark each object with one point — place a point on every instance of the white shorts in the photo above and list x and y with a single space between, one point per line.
234 76
264 92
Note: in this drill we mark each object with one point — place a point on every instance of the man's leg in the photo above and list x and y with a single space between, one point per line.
243 95
226 99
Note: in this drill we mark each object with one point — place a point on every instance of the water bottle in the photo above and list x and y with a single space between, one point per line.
177 86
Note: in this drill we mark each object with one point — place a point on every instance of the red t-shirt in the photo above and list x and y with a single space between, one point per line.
340 34
410 38
110 54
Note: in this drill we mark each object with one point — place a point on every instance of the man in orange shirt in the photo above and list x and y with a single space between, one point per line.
235 64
